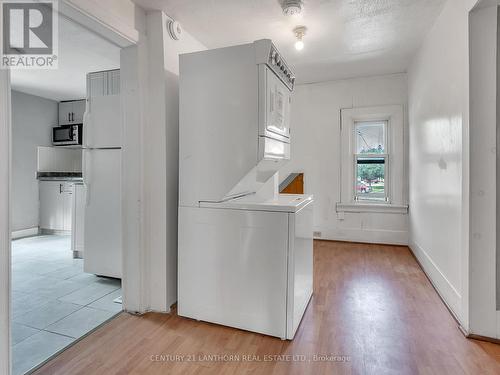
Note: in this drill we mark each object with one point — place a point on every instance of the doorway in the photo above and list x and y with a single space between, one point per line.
59 290
124 33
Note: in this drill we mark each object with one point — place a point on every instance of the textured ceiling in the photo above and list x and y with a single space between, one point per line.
345 38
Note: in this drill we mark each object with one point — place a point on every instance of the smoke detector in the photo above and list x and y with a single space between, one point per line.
292 7
174 29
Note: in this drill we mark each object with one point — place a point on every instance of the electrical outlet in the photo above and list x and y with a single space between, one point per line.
316 234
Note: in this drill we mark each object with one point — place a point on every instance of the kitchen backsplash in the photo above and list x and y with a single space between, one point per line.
57 159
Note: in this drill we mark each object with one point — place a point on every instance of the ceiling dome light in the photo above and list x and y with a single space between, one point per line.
291 7
299 32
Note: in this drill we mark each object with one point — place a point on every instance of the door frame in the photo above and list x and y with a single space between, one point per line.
5 226
99 20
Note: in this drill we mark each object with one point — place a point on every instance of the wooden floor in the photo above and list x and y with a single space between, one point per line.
373 312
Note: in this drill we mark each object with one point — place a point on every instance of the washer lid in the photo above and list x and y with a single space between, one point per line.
282 203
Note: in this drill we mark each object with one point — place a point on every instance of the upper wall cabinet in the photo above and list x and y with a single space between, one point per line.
71 112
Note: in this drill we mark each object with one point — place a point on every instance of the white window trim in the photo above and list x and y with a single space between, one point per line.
394 115
388 208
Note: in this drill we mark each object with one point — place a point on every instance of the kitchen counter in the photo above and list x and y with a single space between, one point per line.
75 177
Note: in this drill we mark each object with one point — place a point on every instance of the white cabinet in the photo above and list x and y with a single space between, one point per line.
55 206
71 112
65 109
78 111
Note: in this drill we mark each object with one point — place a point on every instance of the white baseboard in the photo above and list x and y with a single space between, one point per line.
386 237
56 232
25 233
498 325
446 290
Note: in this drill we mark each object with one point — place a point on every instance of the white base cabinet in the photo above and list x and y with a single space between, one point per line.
56 206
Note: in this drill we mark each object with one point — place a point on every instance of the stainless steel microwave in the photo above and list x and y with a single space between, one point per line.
67 135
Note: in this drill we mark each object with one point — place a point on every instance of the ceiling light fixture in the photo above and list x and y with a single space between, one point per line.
299 31
291 7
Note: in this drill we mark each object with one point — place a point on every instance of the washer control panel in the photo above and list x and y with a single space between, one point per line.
279 66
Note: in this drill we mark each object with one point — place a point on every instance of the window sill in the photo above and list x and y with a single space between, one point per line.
372 207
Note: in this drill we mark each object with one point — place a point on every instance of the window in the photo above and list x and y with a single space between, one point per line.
372 160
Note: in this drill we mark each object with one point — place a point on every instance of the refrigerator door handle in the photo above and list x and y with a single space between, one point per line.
86 124
86 174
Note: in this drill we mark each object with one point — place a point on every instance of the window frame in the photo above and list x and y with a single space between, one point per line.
385 156
395 160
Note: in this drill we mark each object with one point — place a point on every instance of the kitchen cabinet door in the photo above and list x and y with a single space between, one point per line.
51 212
78 111
71 112
55 205
65 110
66 202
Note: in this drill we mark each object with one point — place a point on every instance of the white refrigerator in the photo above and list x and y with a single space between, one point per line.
102 175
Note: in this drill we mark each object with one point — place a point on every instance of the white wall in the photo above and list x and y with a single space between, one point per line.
32 120
315 132
172 49
483 165
438 157
125 19
162 158
59 159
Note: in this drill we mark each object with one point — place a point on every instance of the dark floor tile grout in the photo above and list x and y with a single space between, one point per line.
59 334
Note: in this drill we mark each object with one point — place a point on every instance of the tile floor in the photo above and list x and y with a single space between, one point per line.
53 301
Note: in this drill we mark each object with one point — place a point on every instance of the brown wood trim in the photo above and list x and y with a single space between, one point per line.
296 186
472 336
462 329
360 243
